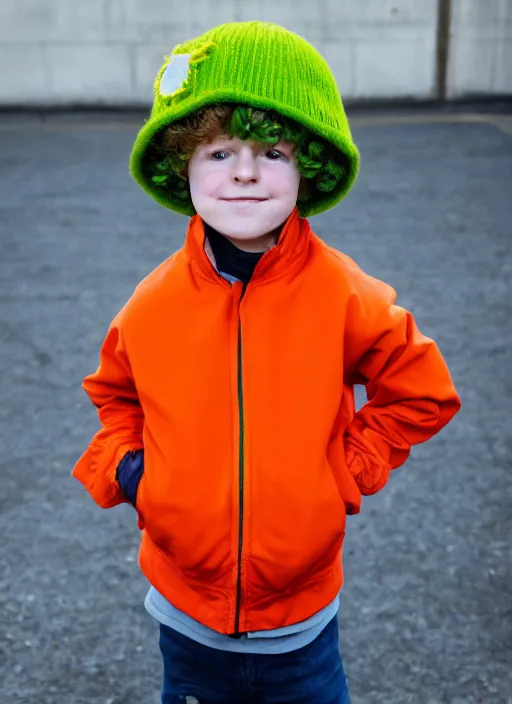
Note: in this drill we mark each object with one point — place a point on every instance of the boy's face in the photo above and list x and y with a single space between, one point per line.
245 190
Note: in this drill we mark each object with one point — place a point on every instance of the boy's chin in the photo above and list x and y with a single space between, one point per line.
243 232
247 225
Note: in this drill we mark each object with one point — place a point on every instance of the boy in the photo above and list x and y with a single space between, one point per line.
225 385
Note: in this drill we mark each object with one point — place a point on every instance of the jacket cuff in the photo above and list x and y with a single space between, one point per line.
96 470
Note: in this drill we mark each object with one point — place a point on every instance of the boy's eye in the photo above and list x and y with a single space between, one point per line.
274 154
219 156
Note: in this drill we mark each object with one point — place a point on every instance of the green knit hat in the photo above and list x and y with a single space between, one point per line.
258 64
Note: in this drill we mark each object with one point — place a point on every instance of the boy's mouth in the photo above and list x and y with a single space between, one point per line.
244 200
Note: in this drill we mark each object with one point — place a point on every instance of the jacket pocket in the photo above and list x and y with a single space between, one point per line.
297 532
345 482
139 503
129 475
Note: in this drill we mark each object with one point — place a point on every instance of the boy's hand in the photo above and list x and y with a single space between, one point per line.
370 472
129 473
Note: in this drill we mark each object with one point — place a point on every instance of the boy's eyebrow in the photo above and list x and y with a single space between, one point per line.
227 138
224 139
286 143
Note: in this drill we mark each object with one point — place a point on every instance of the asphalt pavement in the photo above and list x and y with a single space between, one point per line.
426 610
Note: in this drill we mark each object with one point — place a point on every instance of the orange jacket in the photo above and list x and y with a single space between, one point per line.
245 409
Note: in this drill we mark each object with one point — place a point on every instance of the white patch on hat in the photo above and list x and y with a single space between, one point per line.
175 75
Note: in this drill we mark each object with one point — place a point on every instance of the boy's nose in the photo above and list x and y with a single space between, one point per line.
245 178
245 169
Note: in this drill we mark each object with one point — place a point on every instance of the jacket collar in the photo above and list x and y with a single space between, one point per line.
285 259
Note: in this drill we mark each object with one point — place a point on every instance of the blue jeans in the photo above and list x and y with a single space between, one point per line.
310 675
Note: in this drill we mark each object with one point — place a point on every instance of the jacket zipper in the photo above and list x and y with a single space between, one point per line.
237 633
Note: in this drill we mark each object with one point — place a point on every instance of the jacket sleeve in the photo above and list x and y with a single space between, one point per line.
410 393
112 390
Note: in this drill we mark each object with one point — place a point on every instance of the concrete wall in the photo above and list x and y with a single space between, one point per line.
108 51
480 57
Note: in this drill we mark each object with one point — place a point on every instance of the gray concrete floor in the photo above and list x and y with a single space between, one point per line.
426 613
